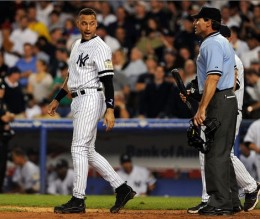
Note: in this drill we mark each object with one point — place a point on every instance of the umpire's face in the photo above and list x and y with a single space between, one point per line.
202 26
87 25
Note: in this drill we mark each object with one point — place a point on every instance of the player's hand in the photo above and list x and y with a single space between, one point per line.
52 107
109 119
184 98
199 117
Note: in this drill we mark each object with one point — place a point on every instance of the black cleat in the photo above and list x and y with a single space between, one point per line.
251 199
74 205
210 210
123 194
195 210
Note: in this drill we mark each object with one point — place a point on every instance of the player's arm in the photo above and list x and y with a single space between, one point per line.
252 146
109 118
60 95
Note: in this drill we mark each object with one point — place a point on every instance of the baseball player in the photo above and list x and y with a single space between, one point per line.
245 181
90 66
139 178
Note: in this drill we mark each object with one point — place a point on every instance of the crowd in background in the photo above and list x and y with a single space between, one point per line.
147 38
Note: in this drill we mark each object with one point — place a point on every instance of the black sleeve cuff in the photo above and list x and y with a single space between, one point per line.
109 90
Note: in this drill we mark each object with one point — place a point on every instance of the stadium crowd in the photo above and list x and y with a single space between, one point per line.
148 39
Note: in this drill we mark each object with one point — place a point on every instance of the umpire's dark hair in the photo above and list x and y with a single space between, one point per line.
88 11
214 24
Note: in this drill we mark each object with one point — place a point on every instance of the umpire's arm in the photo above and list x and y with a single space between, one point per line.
209 90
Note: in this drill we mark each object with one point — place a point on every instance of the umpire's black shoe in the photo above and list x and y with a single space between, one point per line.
74 205
123 194
210 210
251 199
237 209
195 209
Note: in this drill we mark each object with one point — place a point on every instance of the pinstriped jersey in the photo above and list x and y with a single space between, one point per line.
89 60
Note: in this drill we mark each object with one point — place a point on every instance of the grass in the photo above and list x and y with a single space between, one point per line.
100 202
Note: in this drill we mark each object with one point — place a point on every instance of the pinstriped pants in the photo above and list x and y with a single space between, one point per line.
87 110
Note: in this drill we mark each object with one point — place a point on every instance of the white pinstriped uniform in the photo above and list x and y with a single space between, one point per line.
244 180
89 61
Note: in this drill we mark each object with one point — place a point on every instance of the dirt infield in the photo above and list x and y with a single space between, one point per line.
47 213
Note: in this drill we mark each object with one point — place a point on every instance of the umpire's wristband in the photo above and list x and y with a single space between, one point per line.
62 93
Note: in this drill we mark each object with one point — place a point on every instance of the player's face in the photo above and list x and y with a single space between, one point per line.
87 25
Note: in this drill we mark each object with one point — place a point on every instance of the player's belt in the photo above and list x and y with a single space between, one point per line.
83 92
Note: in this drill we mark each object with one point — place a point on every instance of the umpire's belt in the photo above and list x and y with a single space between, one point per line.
84 91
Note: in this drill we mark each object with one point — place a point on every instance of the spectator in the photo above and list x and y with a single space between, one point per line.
156 12
139 18
35 25
135 67
156 96
120 106
252 54
109 40
44 111
61 181
19 13
7 45
26 178
152 43
125 43
43 10
71 32
252 141
171 60
32 109
148 77
3 66
39 83
139 178
119 60
27 64
106 15
14 97
123 29
253 79
39 53
239 45
22 35
54 20
226 17
186 37
189 71
64 107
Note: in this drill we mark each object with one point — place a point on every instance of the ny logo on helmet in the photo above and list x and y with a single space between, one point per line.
81 60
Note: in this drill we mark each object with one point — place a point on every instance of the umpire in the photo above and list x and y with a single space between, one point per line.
215 72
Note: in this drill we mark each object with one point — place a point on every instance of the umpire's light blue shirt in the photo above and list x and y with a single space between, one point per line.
216 56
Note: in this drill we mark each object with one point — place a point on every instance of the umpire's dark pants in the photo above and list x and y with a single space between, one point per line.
219 171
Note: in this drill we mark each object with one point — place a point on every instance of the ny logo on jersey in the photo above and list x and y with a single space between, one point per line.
81 60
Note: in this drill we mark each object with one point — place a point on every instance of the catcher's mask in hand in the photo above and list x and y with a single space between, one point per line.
195 134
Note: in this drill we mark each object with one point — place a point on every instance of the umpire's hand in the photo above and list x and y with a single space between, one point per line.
109 119
52 107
